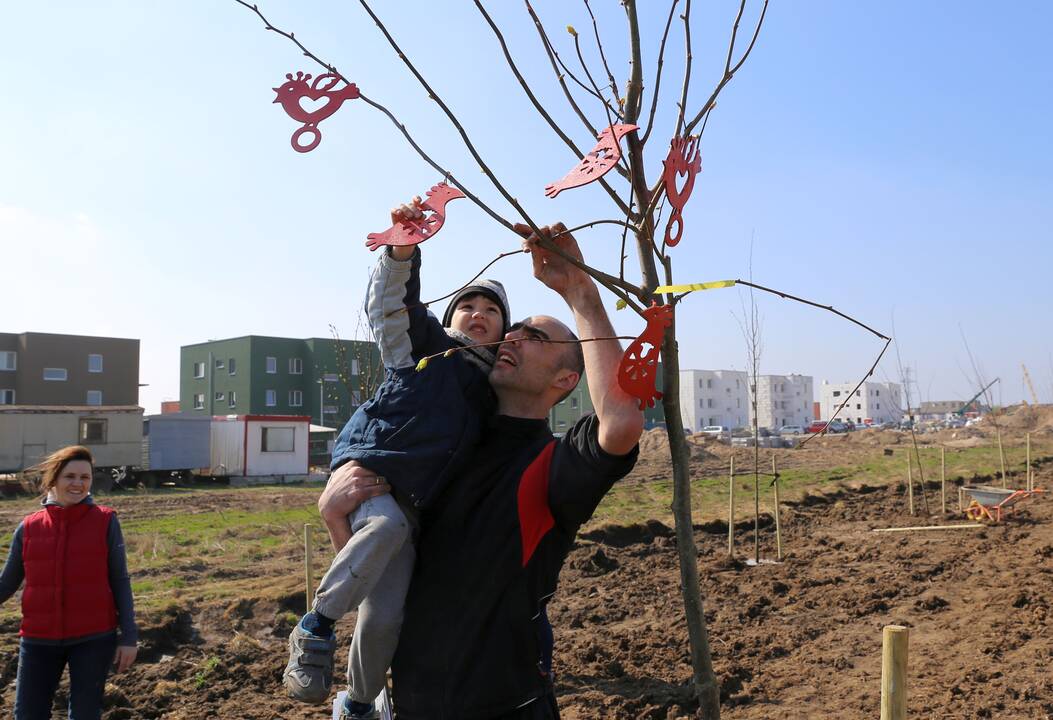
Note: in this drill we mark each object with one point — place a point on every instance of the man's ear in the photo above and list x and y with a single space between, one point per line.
566 380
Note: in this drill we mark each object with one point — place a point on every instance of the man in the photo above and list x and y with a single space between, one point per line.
491 549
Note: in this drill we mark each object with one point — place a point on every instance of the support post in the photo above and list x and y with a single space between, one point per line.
778 525
731 508
1001 454
894 646
961 494
307 565
1027 465
943 480
910 485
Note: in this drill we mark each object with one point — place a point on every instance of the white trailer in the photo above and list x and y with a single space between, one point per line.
260 446
28 433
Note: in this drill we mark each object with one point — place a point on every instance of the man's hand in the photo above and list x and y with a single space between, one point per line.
553 270
125 656
349 486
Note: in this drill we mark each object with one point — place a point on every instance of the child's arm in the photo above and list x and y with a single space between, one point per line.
401 325
121 586
14 572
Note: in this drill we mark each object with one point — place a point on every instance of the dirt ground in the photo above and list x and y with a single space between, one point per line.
796 639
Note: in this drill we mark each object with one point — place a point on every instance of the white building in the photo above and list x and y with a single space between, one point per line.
714 397
784 400
873 402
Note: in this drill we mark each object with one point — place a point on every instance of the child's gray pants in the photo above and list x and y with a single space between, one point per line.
372 572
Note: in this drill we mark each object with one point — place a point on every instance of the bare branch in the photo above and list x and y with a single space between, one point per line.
620 166
658 73
603 57
539 107
687 71
734 34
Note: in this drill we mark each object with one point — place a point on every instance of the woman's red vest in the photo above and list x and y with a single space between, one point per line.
66 559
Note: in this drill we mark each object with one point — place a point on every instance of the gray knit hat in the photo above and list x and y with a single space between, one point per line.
490 289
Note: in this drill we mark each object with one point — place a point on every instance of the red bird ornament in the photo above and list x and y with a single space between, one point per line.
683 159
596 163
638 369
294 90
412 232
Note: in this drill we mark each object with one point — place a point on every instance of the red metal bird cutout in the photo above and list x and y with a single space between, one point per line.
638 369
596 162
293 90
683 159
412 232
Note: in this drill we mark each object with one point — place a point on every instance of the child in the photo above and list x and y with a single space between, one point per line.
77 592
412 432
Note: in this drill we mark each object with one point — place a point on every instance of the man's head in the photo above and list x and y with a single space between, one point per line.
480 311
530 368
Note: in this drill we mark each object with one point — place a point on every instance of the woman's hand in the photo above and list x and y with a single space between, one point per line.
125 656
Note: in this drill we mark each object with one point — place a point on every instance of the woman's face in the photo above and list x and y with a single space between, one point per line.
73 484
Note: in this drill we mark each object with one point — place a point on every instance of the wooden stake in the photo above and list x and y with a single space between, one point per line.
307 564
961 493
1027 465
778 526
1001 453
929 527
731 508
910 485
943 480
895 641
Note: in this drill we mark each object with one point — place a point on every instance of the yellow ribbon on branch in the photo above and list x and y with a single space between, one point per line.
694 286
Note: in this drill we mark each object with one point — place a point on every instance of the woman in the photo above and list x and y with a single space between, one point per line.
70 554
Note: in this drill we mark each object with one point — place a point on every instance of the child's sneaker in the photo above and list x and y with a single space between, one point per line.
309 675
351 710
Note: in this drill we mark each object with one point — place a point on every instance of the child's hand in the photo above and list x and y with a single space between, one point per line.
124 657
400 214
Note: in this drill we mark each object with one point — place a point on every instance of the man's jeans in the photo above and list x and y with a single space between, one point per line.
372 572
40 668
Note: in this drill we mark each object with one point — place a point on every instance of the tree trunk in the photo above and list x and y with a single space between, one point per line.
705 682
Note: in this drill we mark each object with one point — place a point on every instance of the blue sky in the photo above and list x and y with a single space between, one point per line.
890 158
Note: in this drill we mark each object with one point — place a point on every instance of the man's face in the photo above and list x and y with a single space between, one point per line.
478 317
526 362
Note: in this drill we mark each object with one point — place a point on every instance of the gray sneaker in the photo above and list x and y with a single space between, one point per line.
309 675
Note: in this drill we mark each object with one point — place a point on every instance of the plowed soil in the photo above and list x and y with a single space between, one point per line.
799 638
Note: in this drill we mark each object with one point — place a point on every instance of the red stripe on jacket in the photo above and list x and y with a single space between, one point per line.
535 517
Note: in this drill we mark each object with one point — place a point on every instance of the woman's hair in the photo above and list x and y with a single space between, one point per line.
51 467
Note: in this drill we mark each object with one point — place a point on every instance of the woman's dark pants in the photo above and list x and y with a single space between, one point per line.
40 669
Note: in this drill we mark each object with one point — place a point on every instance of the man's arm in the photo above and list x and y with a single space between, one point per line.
349 486
619 414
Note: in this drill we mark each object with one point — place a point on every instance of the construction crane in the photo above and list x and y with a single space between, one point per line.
963 408
1027 379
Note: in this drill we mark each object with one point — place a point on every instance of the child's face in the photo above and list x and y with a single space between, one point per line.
479 318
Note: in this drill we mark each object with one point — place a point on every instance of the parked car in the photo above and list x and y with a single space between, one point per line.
837 426
817 427
791 430
716 431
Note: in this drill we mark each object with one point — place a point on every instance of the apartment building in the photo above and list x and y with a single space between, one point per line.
50 369
569 410
714 397
873 402
783 400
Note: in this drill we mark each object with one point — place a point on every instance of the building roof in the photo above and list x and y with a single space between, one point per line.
14 409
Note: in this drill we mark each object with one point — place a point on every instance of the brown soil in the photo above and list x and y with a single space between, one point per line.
798 639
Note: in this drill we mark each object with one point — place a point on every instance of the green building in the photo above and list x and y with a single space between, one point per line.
323 378
567 412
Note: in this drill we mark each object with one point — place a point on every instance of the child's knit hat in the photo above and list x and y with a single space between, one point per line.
490 289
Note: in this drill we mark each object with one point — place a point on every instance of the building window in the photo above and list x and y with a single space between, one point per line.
58 374
276 439
232 369
95 363
878 406
877 393
709 383
94 397
858 406
8 360
573 402
295 366
295 398
220 364
858 394
354 366
709 402
271 398
199 370
272 365
92 431
218 397
232 398
7 397
837 393
199 401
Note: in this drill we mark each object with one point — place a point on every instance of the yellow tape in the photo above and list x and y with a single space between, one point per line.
695 286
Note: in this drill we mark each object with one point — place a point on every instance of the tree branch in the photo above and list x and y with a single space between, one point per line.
603 57
620 166
687 70
658 73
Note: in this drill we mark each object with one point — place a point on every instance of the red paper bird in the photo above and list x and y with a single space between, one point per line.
638 369
412 232
683 159
295 89
596 163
